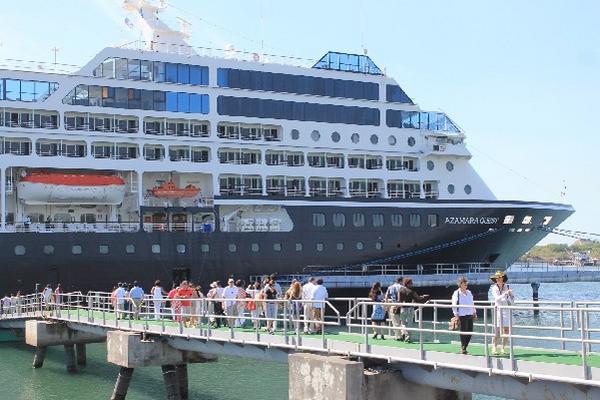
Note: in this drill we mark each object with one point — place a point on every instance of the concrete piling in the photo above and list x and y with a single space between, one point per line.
535 286
171 382
122 384
40 356
182 377
81 354
70 359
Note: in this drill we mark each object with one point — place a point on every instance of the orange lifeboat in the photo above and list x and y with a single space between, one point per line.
169 190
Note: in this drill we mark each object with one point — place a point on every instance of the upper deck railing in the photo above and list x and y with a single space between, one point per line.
38 66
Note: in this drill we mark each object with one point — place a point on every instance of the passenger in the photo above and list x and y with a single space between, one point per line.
319 296
229 296
127 304
194 301
503 296
294 295
307 290
47 297
270 294
408 295
183 296
258 310
241 304
173 303
462 297
113 300
136 296
158 294
120 295
200 304
279 291
58 294
17 302
378 316
392 295
211 296
6 305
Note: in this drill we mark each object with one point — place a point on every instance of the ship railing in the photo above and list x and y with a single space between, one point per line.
403 270
37 66
77 227
200 201
178 227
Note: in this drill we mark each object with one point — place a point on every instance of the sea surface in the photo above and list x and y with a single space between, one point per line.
229 378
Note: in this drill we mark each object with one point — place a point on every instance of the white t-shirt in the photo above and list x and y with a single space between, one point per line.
47 294
229 294
319 293
120 294
157 293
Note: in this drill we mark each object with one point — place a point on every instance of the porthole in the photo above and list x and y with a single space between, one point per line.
276 246
449 166
204 247
181 248
19 250
377 220
156 248
451 188
299 246
320 246
360 245
318 219
103 249
339 246
415 220
232 247
355 138
468 189
396 220
430 165
130 249
335 136
295 134
432 220
378 245
76 249
392 140
374 139
48 249
315 135
411 141
358 220
255 247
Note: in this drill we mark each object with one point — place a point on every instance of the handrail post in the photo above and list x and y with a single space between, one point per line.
486 350
562 327
421 348
583 345
365 330
285 318
510 340
435 322
587 324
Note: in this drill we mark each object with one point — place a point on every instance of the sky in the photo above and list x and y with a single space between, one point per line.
521 78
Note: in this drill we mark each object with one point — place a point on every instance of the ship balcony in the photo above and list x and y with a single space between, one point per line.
68 227
29 119
104 123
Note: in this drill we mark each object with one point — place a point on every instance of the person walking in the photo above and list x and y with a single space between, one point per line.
392 295
270 294
173 303
378 316
136 296
462 300
58 294
293 295
319 297
503 296
184 294
307 291
241 303
408 295
211 296
158 294
229 296
120 294
47 297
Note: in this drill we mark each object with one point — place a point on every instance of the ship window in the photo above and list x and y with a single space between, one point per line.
432 220
355 138
156 248
181 248
377 220
19 250
130 249
276 246
255 247
204 247
76 249
392 140
451 188
320 246
396 220
360 245
339 246
232 247
449 166
358 219
103 249
339 220
295 134
411 141
509 219
430 165
315 135
48 249
318 219
374 139
335 137
171 72
547 220
415 220
527 220
299 246
468 189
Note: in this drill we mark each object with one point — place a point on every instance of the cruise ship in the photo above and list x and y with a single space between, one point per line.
171 162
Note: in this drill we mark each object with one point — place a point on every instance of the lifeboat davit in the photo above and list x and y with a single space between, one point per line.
65 188
169 190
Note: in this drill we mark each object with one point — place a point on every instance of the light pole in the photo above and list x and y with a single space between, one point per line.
55 50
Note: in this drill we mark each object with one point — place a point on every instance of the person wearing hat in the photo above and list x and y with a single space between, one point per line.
503 296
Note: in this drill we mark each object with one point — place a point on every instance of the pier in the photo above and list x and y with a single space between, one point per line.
430 366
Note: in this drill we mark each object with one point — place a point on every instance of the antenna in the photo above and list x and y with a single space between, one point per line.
55 50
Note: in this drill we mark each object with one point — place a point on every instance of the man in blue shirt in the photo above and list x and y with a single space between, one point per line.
136 295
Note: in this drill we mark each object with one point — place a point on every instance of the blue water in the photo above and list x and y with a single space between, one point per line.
229 378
